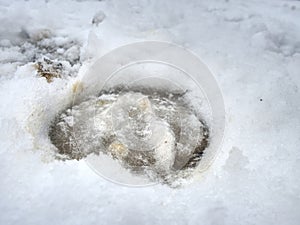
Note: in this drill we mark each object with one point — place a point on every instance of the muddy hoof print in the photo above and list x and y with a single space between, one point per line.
154 134
145 113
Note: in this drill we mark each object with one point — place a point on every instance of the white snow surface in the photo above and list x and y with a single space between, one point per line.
252 48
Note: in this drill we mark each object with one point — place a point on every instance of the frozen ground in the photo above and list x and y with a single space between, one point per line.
252 47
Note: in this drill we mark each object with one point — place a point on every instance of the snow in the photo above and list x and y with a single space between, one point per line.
252 48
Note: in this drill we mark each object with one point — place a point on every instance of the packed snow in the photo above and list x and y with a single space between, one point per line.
252 48
148 134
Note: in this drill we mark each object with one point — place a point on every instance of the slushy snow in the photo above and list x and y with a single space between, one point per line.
252 48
